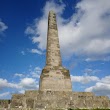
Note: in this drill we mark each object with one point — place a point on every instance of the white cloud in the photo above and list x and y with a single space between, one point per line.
5 84
106 80
18 75
3 26
24 83
85 33
28 83
4 94
22 91
106 58
36 51
89 71
30 80
36 72
37 68
84 79
102 87
39 29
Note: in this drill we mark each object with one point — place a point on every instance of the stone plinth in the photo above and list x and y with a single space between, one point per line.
53 100
55 79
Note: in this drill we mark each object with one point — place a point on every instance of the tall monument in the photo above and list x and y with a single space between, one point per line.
55 88
54 76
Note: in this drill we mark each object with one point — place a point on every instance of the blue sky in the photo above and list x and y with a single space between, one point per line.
84 34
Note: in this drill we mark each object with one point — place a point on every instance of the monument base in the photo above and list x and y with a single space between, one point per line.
53 100
55 78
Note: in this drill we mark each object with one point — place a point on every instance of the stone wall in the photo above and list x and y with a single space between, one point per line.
17 100
50 100
59 100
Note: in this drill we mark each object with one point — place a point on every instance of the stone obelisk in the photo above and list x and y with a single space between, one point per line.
54 77
53 49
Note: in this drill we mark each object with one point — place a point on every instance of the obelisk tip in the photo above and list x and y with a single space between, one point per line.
51 11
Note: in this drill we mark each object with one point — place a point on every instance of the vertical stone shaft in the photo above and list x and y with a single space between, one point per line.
54 76
53 57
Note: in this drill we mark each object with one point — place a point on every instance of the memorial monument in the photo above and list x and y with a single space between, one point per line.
54 76
55 87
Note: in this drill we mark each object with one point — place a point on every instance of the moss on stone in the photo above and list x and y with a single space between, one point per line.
44 75
30 103
56 67
65 73
45 71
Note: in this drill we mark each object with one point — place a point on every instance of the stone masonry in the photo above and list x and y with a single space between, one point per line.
54 76
55 88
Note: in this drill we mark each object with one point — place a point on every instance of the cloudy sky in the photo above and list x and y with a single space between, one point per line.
84 33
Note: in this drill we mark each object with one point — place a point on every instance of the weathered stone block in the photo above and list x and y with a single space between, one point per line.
31 93
17 100
30 102
55 78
